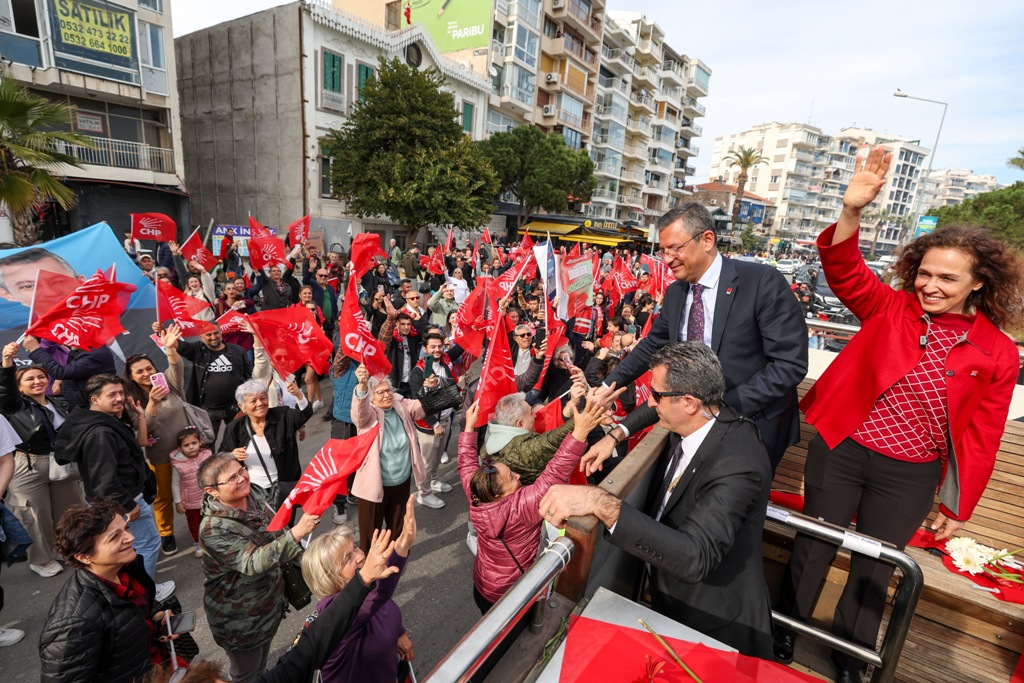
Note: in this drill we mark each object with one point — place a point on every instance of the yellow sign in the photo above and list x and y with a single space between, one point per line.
86 26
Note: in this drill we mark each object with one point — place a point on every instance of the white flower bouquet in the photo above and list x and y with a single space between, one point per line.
973 558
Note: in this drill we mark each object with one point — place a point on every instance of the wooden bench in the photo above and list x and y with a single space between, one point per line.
959 633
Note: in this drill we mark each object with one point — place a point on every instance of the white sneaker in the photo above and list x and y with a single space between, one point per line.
10 636
199 551
164 590
51 568
471 542
340 517
440 487
317 405
445 459
430 500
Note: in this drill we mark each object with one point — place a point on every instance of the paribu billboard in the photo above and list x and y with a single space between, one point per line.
455 24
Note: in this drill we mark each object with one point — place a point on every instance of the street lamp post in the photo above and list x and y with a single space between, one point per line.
931 157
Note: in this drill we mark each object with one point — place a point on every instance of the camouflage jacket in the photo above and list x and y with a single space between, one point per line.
526 454
244 592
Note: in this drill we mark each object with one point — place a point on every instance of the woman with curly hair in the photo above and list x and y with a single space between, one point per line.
917 401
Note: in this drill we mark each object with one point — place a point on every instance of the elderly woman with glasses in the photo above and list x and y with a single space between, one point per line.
244 592
383 482
264 438
101 626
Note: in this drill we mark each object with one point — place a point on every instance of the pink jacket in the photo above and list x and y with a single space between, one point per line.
516 517
187 469
368 484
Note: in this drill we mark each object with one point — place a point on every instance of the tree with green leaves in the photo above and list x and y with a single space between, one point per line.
1001 211
403 154
539 170
1017 161
750 241
33 133
744 158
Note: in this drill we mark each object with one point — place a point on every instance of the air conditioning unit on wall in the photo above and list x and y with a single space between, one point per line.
551 78
549 110
557 4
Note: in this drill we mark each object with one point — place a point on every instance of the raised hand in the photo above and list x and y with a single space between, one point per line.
375 566
10 351
472 413
171 336
305 525
362 377
408 537
587 419
868 179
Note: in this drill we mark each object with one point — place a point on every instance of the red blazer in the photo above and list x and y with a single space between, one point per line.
980 374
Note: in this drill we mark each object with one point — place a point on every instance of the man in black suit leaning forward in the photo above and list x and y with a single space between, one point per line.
700 532
744 311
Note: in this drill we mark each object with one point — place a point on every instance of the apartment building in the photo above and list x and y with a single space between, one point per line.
756 212
949 187
112 61
807 172
258 93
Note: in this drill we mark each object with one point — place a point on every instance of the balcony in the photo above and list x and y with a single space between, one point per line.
690 170
574 47
643 99
640 124
121 154
672 94
588 91
688 126
665 140
699 87
604 195
649 47
687 150
581 20
694 106
631 199
673 71
333 101
501 8
580 122
614 84
607 167
658 185
612 111
634 151
632 177
517 96
659 162
644 74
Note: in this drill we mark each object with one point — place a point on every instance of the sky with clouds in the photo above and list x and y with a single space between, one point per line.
832 65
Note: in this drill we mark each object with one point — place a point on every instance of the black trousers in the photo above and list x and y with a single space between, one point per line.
891 499
390 510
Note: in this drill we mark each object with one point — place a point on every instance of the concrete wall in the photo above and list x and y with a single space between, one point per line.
241 108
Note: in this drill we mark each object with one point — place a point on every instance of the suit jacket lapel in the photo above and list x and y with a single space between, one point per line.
709 444
727 286
675 301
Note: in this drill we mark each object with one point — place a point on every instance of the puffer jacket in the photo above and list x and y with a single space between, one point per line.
525 453
91 634
369 485
26 416
244 592
515 518
343 388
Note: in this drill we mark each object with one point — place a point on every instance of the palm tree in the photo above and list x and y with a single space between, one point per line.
1017 161
33 131
745 158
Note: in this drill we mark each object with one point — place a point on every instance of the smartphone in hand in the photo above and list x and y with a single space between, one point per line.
428 366
159 380
182 623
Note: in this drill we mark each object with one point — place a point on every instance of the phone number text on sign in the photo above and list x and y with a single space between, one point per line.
95 28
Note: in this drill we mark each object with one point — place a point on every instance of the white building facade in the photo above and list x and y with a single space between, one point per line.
949 187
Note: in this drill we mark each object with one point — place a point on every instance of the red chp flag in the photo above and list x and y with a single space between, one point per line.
265 251
51 289
299 230
171 302
231 322
448 242
87 317
194 250
470 328
486 236
408 12
364 247
504 284
257 229
324 477
291 338
525 247
435 263
356 339
497 379
153 226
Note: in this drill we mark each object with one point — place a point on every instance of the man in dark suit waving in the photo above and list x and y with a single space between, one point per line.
744 311
700 531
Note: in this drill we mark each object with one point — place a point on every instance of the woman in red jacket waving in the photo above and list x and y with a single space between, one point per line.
917 401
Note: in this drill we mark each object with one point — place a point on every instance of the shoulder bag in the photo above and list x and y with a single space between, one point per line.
197 417
442 397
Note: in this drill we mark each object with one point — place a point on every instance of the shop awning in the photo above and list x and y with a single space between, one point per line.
597 239
538 229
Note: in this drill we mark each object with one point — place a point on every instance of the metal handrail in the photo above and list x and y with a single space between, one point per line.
481 640
908 591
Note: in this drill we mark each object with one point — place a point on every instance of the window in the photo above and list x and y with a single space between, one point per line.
774 179
529 11
155 5
151 45
573 138
332 72
523 84
498 122
526 45
392 16
365 73
570 110
467 117
551 29
325 174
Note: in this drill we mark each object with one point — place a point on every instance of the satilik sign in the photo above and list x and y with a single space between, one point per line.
95 37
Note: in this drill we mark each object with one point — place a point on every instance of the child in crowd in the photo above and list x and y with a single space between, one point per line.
188 494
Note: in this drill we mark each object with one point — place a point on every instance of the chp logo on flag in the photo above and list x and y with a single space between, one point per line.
153 226
86 318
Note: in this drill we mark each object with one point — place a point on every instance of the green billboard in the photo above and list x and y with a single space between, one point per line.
455 24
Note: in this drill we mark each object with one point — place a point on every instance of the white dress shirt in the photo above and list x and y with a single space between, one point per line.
710 280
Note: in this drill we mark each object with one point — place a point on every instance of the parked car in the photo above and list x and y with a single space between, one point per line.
824 298
787 266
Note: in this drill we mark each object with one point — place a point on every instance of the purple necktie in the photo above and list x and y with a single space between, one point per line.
695 323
